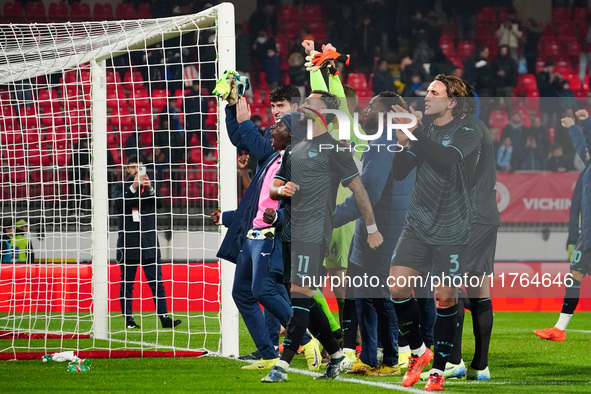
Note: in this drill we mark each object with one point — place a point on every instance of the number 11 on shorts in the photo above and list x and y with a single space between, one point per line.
303 260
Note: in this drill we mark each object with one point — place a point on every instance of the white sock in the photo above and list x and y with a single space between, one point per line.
420 351
563 321
282 364
437 371
337 354
345 350
404 349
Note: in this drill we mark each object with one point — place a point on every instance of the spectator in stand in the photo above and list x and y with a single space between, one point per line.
196 113
566 98
297 72
415 87
515 130
440 64
243 53
530 45
21 244
504 71
342 35
261 45
531 157
585 56
169 138
159 161
504 155
368 40
478 72
557 161
509 35
272 68
458 72
263 19
382 79
408 69
540 134
79 174
6 252
549 84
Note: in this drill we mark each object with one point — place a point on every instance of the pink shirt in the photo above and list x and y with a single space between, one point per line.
264 200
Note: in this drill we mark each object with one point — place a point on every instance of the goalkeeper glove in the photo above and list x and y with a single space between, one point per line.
318 60
223 87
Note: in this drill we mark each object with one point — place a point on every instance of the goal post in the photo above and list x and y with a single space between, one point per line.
110 90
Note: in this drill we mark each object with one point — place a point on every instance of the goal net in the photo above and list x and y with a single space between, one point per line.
78 100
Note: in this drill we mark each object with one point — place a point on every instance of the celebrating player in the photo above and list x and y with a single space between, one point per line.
580 264
317 167
437 229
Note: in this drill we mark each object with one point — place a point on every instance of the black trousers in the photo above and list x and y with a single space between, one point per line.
153 275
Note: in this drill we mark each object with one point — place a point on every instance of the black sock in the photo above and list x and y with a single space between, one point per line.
571 297
296 327
444 332
401 341
482 323
320 328
350 324
456 352
408 315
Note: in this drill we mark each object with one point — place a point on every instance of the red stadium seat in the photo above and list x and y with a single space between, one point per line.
143 11
357 81
36 12
28 117
312 13
526 82
289 12
133 80
159 99
263 113
14 12
562 65
465 49
553 48
574 80
81 12
580 15
103 12
498 119
525 115
59 12
125 11
448 49
31 135
487 15
560 15
532 102
573 49
144 118
567 32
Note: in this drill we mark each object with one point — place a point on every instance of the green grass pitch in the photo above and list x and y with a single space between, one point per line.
519 362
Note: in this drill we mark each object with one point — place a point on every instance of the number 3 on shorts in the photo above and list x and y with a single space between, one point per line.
453 258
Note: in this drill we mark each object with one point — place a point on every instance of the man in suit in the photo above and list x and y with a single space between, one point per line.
135 202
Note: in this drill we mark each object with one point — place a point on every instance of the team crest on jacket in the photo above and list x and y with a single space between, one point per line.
313 153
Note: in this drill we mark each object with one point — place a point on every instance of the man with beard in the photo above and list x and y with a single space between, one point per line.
390 201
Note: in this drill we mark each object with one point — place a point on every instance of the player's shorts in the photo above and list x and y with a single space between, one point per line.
481 249
340 246
446 260
581 260
306 264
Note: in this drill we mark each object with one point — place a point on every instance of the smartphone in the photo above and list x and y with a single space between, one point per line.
141 170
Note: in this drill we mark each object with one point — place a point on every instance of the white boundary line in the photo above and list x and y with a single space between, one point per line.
583 331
